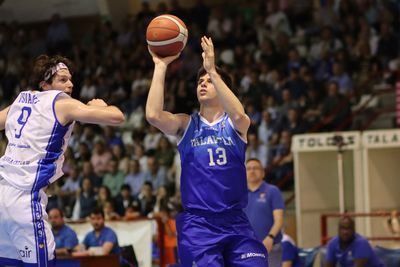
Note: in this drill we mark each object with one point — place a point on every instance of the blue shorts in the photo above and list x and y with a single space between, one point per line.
218 240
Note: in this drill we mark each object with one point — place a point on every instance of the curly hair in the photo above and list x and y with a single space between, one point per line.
42 64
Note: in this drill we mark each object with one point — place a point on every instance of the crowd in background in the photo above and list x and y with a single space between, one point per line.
299 66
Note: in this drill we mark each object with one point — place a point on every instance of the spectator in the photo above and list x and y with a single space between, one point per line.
125 200
70 189
109 211
265 211
135 177
349 248
100 158
87 172
114 178
335 108
165 153
118 152
147 199
156 175
64 237
256 149
101 236
85 202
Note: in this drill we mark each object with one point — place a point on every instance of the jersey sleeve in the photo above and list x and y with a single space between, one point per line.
110 236
277 199
71 240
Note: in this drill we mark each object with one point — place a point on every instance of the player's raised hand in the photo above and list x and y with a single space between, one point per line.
97 102
162 60
208 54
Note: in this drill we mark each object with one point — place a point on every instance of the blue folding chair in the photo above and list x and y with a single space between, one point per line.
307 256
389 257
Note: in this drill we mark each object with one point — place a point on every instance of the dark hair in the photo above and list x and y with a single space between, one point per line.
126 187
224 76
97 211
254 159
59 210
42 64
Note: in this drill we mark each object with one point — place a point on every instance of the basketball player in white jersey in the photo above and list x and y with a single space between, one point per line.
38 125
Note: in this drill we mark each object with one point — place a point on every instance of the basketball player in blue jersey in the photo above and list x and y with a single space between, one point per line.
38 125
213 229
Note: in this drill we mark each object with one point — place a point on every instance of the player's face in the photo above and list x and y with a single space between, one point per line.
205 89
62 81
254 171
97 221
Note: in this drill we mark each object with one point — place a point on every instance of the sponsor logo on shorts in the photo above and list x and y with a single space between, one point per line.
252 255
25 253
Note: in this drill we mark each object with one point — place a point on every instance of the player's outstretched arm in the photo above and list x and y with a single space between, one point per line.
3 117
229 101
95 111
168 123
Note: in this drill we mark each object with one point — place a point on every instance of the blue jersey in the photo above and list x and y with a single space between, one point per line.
213 177
358 249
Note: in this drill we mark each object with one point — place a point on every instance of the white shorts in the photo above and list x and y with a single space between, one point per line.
25 234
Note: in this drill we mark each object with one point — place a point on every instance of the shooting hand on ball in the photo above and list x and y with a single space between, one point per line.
165 61
208 54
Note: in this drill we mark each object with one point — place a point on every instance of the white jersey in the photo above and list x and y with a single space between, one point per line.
36 141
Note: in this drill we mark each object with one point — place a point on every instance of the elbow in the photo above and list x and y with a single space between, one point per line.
240 118
118 119
152 117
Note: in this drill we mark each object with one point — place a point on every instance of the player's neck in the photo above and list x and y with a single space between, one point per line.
212 113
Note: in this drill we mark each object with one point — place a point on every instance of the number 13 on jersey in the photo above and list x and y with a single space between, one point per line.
220 153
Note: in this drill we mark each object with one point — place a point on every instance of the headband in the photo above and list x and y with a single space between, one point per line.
51 71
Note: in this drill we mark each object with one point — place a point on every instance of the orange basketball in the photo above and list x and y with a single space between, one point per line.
166 35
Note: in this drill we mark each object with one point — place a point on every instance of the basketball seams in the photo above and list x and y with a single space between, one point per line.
182 29
179 38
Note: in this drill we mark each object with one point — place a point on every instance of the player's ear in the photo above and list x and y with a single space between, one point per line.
44 85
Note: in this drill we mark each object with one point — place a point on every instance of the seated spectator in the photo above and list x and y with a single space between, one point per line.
155 174
165 153
64 237
109 211
103 196
85 202
70 188
335 108
118 152
113 178
290 253
101 236
100 158
256 149
87 172
135 177
282 157
146 199
125 200
349 248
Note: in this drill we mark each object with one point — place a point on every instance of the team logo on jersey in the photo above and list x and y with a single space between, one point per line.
262 197
252 255
25 253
